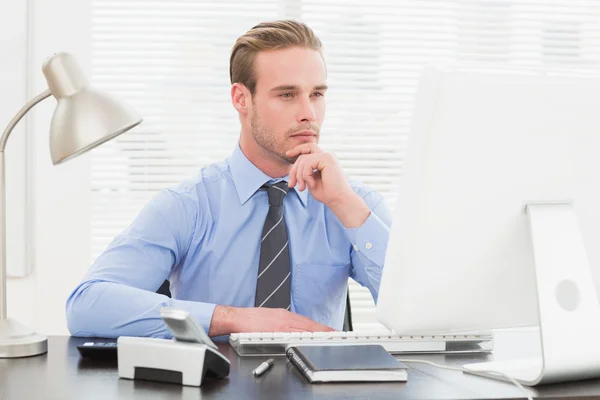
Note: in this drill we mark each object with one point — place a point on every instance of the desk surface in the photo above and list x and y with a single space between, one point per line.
61 374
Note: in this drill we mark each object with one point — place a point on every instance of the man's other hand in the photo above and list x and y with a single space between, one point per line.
228 320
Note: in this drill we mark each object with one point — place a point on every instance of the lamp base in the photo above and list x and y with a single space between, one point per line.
16 340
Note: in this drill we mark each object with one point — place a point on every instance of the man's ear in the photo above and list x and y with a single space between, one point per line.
240 97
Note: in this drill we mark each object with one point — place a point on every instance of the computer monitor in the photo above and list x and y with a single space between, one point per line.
497 221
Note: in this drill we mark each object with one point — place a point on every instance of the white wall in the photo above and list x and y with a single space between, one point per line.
59 196
13 81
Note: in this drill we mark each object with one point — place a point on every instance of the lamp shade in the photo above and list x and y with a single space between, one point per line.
84 117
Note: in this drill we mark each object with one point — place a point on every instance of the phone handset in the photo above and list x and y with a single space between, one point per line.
184 327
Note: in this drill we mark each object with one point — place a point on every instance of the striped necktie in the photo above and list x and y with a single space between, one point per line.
273 281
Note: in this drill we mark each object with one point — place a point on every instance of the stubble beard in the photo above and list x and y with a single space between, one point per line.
266 139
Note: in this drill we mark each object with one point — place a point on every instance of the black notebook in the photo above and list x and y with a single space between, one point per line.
346 363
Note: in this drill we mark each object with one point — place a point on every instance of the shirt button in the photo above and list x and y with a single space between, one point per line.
355 248
369 245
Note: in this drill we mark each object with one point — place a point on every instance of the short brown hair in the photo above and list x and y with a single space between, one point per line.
273 35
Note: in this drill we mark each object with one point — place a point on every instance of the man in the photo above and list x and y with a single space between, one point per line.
262 242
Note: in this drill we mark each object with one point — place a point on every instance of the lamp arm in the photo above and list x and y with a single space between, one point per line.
45 94
5 135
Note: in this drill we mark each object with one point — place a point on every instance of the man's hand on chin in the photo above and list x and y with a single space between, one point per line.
321 173
228 320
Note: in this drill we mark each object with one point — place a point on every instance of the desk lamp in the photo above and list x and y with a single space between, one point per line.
83 119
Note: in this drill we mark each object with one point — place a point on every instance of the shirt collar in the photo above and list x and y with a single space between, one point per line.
247 178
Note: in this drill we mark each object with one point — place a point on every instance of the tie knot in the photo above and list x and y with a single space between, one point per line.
276 192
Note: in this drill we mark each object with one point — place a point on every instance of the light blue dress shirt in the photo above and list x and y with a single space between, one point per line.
204 236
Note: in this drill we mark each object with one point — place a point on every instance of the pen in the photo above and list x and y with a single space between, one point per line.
263 367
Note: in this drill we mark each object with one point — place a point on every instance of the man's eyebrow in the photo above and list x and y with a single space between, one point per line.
285 87
295 87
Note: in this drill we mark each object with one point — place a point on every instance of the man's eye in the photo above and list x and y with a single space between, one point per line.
318 94
286 95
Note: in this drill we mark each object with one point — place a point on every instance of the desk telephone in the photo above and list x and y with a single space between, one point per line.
186 360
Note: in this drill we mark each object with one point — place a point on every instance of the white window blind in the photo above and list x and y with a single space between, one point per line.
170 60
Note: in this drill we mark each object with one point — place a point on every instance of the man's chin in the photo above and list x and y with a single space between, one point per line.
289 160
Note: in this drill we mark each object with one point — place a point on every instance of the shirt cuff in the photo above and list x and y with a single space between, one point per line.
202 312
370 239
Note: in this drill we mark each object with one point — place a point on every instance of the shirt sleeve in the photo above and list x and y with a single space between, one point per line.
118 295
369 243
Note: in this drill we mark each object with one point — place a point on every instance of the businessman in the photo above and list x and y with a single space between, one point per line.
263 241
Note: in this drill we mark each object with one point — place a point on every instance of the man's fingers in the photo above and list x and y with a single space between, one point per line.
308 324
292 175
307 171
316 327
295 177
304 148
299 172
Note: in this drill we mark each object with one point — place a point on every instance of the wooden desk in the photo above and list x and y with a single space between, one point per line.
61 374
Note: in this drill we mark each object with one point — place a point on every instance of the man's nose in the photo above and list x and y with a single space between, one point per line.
306 112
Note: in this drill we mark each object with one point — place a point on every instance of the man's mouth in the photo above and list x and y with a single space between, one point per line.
304 133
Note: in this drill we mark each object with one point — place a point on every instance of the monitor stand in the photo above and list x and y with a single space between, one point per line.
567 304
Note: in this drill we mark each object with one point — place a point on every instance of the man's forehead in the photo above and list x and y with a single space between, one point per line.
300 67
